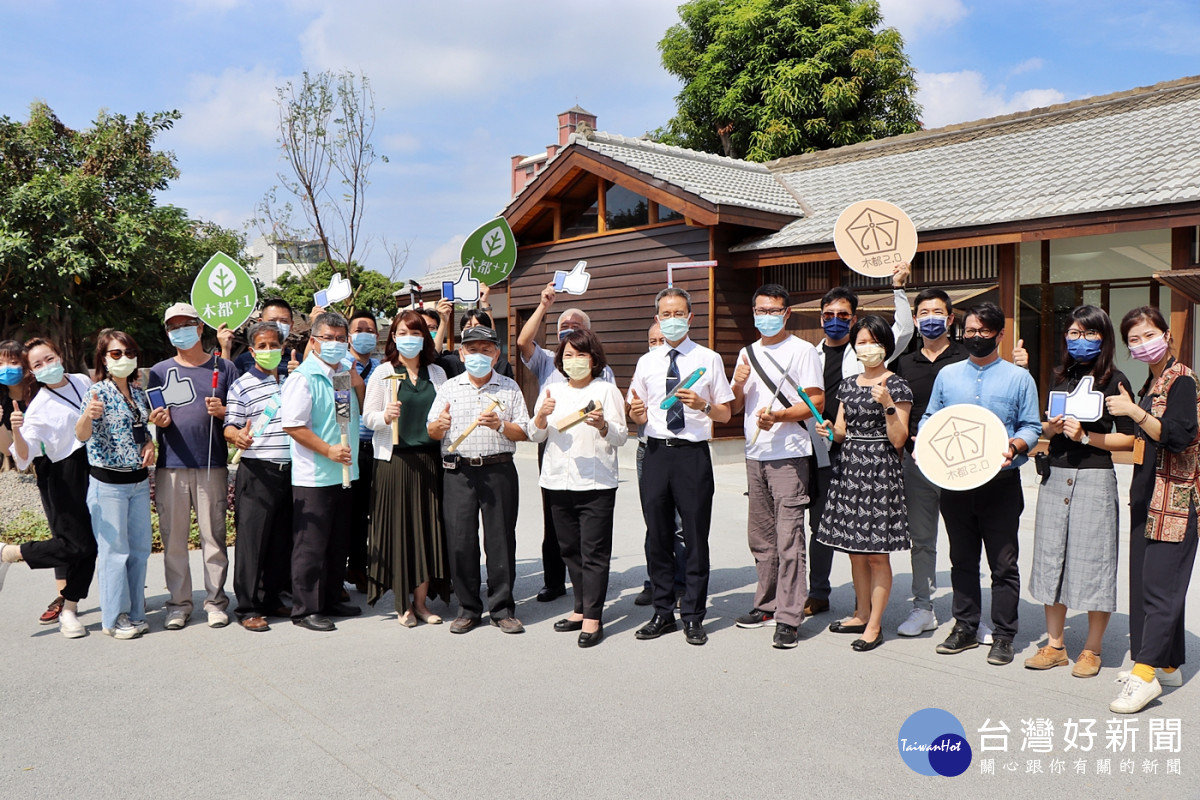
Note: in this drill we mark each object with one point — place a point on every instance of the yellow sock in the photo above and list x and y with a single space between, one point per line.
1143 671
1169 670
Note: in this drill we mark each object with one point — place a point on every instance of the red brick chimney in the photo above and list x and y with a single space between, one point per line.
569 120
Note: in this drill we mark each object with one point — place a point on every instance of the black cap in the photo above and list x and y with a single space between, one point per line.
479 333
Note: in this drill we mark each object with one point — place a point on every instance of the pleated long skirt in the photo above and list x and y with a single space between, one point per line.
407 544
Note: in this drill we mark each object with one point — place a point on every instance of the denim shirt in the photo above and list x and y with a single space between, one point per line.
112 445
1003 388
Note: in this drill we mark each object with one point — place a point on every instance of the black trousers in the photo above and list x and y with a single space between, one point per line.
72 550
360 525
262 566
321 536
554 569
467 494
985 518
820 555
584 523
1159 574
680 545
677 479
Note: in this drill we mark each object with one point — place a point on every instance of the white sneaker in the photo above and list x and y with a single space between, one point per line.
983 634
142 626
919 620
1172 679
176 620
70 625
124 629
217 619
1135 695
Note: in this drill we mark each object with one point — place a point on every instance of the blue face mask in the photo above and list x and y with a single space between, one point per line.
10 375
564 333
184 338
768 324
284 330
674 329
478 364
932 327
836 328
1083 350
364 343
50 374
409 346
332 352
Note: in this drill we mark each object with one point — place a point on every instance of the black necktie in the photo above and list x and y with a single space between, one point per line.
675 412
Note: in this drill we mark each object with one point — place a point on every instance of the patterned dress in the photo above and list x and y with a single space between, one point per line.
865 510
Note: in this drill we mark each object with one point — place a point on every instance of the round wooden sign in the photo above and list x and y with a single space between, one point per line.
961 447
873 236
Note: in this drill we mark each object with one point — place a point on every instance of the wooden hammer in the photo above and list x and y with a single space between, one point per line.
397 377
495 404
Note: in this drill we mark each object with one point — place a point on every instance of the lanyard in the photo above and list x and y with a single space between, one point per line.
78 397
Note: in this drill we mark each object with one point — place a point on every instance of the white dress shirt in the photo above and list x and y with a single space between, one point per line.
50 418
650 384
580 459
803 365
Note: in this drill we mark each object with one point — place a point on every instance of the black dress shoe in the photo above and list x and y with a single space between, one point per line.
591 639
1001 652
568 625
547 594
840 627
656 627
343 610
862 645
694 632
315 622
645 597
960 638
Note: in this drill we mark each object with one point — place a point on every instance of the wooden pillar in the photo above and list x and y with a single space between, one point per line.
1046 350
1006 268
712 290
1181 306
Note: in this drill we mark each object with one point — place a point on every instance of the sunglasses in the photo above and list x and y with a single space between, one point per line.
121 353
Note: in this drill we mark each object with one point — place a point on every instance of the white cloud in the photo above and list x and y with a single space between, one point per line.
1028 65
951 97
915 17
235 108
445 253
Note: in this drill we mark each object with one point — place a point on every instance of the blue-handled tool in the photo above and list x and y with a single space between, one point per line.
816 414
671 399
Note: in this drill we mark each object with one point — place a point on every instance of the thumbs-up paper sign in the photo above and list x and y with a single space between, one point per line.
1082 403
465 289
339 290
177 391
574 282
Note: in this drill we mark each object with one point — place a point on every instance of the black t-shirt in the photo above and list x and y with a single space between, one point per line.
920 372
833 377
1070 454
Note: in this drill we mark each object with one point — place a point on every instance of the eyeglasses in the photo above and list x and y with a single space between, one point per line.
971 333
342 339
770 312
191 323
826 316
674 315
118 353
1091 336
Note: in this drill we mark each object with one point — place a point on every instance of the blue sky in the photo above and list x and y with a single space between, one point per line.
462 86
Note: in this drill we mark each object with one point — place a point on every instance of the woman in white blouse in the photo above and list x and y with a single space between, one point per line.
582 422
45 436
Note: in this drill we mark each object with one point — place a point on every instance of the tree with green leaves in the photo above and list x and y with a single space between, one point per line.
764 79
83 243
372 291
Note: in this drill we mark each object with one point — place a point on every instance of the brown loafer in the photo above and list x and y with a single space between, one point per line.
50 615
463 624
1087 665
1047 658
813 606
509 625
255 624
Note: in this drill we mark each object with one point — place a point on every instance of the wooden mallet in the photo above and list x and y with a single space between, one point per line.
495 404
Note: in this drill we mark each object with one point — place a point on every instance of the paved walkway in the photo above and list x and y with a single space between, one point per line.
375 710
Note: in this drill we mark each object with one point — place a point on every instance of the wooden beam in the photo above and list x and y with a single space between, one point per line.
1006 264
712 291
601 202
1182 319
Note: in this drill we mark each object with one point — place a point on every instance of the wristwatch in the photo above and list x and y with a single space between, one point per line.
890 410
1086 440
707 408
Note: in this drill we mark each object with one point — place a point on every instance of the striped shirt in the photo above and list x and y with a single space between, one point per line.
248 397
467 403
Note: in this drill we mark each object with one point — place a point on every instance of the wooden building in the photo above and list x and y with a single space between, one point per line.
1094 201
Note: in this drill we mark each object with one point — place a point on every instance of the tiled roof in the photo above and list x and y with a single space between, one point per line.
432 280
720 180
1132 149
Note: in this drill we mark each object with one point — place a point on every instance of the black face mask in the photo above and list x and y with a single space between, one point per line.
979 346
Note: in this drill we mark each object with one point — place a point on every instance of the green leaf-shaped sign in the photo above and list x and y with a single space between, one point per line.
490 252
224 293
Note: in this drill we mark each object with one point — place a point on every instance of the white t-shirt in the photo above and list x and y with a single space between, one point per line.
803 366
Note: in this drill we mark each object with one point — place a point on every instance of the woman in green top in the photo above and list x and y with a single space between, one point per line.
407 550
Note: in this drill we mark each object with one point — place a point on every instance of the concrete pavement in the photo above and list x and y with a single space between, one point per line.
376 710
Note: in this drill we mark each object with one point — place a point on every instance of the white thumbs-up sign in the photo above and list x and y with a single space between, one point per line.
463 290
574 282
178 390
1082 403
339 290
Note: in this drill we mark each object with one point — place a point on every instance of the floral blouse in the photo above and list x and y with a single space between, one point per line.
113 444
